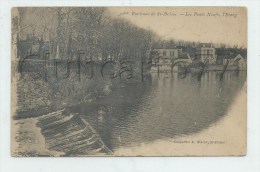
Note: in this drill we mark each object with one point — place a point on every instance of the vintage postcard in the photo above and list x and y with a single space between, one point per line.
129 81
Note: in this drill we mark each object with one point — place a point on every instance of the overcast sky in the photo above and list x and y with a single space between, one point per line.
229 25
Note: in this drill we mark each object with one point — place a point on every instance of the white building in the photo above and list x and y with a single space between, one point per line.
205 52
166 55
236 60
240 62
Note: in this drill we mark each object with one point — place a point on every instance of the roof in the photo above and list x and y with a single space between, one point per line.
161 48
231 56
222 52
183 56
239 57
164 46
204 45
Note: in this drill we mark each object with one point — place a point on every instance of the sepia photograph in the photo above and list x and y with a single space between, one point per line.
128 81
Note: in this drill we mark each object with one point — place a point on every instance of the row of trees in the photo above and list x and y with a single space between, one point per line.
90 29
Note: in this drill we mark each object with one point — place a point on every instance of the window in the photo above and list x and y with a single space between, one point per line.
164 53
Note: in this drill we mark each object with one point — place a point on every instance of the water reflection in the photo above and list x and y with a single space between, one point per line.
162 107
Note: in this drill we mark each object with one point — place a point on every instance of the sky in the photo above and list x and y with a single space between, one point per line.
226 25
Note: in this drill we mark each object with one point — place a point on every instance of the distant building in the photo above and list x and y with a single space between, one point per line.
205 52
221 54
185 57
164 58
235 60
240 62
220 59
168 52
165 55
230 59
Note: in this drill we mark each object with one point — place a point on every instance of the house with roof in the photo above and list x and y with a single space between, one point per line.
205 52
165 56
229 59
235 60
185 57
240 62
221 54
